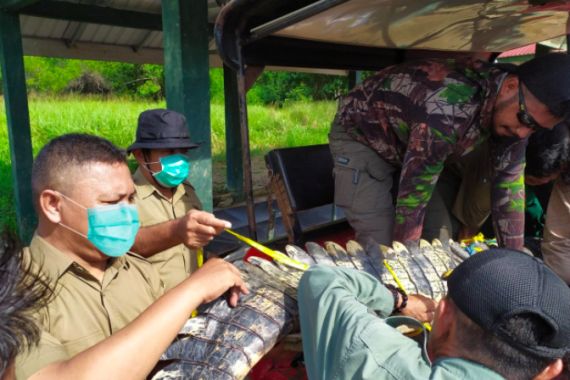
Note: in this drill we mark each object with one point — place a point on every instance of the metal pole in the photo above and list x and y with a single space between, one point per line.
18 120
186 72
234 150
244 127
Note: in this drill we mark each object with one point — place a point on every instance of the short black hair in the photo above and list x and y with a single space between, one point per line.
484 347
58 157
21 293
547 151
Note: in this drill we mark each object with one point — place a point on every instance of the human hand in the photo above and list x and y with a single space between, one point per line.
197 228
216 277
420 307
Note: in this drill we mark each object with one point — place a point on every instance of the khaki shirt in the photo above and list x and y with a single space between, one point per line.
84 311
556 239
176 263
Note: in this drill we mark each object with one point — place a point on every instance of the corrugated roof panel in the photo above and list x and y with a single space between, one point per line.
32 26
152 6
126 36
58 28
155 40
99 35
89 32
525 50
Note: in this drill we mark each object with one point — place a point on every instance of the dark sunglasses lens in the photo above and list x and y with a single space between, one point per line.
526 119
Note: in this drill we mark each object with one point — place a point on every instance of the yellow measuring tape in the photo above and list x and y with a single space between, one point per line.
275 255
427 325
394 276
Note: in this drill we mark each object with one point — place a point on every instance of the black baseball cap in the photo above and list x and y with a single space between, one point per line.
494 285
547 77
162 129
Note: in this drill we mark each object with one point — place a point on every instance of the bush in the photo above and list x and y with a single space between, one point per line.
89 83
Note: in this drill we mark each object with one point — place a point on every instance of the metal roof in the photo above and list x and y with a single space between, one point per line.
115 30
294 30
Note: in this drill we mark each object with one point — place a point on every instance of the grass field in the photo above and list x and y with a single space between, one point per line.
295 124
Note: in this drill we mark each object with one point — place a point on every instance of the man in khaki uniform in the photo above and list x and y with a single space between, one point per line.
107 304
173 226
556 241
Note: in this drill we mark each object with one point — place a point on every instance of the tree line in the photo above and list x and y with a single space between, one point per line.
58 76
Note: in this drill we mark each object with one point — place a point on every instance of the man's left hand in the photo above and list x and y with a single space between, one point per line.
420 307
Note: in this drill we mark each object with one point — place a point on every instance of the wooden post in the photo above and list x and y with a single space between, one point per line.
186 71
234 150
18 120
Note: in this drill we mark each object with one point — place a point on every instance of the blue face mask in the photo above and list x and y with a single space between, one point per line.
175 169
111 229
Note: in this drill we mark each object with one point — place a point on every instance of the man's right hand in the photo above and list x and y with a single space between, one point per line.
215 278
197 228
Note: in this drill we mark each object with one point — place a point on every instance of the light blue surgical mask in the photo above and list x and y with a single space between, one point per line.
111 229
175 169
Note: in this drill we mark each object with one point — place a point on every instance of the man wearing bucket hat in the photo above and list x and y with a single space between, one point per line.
172 225
418 116
506 316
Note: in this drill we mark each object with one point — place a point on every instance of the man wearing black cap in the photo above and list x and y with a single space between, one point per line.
416 116
169 210
506 316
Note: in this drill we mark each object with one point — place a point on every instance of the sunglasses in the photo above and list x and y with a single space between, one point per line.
523 116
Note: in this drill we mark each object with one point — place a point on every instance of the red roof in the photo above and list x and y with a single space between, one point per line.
525 50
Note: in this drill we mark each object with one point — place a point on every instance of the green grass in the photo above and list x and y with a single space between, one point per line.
295 124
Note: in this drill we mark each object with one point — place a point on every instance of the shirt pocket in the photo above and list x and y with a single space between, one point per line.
77 345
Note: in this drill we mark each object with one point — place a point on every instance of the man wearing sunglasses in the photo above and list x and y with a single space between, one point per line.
416 116
172 225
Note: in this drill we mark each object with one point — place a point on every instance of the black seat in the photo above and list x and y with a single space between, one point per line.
301 178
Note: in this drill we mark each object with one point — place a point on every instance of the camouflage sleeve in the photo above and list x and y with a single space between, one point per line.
507 192
423 162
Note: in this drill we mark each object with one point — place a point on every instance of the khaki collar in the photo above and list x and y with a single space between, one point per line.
145 189
53 263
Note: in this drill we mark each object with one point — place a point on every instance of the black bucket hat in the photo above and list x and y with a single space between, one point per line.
162 129
495 285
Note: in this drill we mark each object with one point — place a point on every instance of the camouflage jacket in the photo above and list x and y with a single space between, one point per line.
419 114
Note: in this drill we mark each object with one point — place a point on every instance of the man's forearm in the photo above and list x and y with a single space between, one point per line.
157 238
507 201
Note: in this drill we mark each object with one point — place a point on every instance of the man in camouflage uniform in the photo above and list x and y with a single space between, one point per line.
415 116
